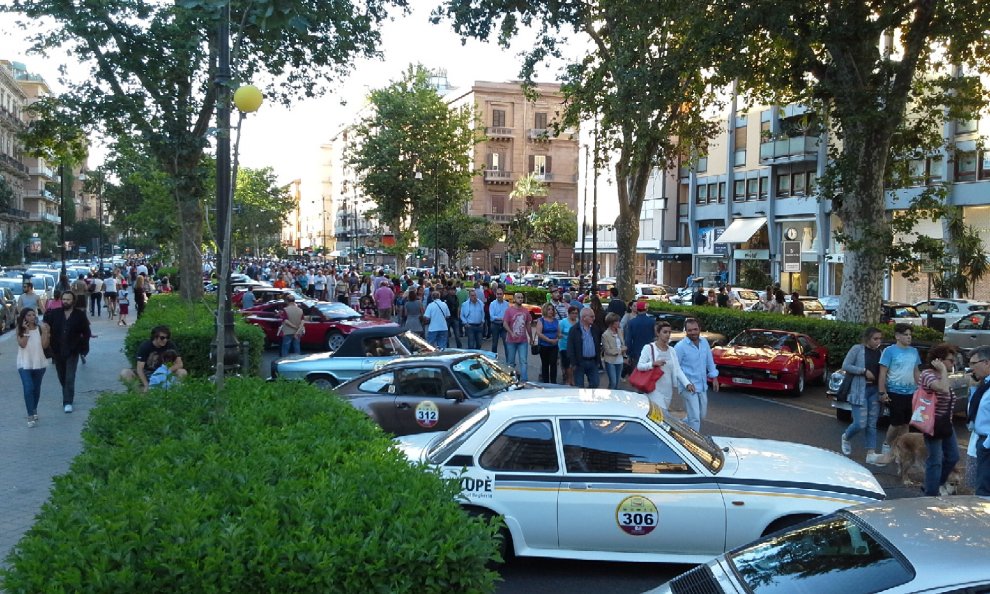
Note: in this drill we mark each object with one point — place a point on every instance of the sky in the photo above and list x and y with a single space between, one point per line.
289 139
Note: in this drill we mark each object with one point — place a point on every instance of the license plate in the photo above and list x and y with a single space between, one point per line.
742 380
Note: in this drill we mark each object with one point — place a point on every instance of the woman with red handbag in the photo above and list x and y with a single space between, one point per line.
658 356
943 449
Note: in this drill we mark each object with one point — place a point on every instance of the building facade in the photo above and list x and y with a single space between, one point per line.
520 141
14 172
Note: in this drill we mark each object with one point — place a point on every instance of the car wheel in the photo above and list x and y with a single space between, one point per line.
799 387
843 415
786 522
823 379
323 382
334 340
503 535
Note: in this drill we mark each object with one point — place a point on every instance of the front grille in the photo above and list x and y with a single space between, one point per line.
699 580
747 372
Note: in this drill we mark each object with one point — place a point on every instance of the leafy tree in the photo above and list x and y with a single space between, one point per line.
83 233
261 206
154 65
6 193
482 235
872 71
555 224
641 82
528 187
410 131
461 233
519 235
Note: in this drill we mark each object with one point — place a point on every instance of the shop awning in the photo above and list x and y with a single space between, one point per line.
741 230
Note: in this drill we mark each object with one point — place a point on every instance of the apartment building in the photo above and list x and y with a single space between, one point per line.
520 141
41 198
14 173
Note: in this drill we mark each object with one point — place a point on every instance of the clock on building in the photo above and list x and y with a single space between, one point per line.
791 233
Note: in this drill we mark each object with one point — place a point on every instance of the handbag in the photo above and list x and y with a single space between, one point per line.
646 381
842 394
923 410
534 348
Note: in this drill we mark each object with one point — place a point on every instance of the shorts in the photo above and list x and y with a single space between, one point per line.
565 361
900 408
123 308
111 294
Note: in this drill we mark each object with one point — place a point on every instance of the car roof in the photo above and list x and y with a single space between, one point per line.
952 528
570 401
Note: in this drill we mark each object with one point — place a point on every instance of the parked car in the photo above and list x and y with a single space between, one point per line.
893 312
969 332
950 310
8 309
959 379
429 391
813 308
900 546
771 360
567 283
746 298
325 323
676 321
830 303
264 294
363 350
651 293
603 475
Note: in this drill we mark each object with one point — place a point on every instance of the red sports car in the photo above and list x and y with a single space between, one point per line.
326 323
770 360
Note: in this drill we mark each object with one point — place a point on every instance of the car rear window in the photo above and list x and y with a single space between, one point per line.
835 553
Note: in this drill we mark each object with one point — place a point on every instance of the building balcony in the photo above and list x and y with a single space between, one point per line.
497 176
789 150
543 177
41 195
45 217
539 134
15 213
496 132
499 217
46 172
14 166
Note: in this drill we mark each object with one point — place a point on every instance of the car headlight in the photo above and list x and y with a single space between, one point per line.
835 380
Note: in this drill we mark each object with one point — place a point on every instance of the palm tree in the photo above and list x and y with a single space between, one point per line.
527 187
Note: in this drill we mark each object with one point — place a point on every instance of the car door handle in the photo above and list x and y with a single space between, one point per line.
577 486
403 406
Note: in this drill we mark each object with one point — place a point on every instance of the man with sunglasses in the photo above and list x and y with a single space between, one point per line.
149 357
979 419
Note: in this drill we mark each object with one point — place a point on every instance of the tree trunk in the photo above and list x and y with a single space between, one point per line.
863 216
626 237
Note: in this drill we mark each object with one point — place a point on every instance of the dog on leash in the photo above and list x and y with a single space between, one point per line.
910 453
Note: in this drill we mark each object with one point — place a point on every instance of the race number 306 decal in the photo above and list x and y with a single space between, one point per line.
636 515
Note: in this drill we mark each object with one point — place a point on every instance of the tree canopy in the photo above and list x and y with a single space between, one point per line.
412 155
154 65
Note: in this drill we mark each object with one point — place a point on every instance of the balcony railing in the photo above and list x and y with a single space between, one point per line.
41 195
45 217
497 176
498 217
16 213
44 172
539 134
544 177
498 132
14 165
796 148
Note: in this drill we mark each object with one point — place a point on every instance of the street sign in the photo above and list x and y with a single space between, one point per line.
792 256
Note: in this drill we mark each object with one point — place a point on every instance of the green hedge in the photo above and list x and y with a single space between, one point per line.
269 487
836 336
173 276
193 330
533 295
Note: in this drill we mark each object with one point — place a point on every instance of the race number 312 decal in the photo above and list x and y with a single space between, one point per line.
637 516
427 414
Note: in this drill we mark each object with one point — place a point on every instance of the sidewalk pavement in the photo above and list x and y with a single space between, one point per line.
31 457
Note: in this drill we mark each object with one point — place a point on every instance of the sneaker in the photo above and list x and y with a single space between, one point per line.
846 446
31 422
67 408
876 459
885 450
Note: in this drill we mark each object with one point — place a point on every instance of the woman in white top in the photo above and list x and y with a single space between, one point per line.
31 361
660 354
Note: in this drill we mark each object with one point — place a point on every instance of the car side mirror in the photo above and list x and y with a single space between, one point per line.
457 395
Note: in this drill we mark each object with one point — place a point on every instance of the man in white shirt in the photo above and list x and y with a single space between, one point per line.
437 313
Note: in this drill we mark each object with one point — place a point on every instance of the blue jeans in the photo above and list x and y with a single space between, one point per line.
31 380
473 335
454 329
943 453
585 368
696 405
498 332
614 371
437 338
290 343
865 418
518 351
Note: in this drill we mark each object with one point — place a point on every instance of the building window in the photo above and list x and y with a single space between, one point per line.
712 193
812 183
739 191
764 187
498 203
495 161
498 118
739 159
984 165
539 164
783 185
966 166
721 192
798 183
702 165
540 122
752 188
702 192
966 126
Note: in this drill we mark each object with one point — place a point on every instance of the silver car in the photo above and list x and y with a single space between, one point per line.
950 310
971 331
926 544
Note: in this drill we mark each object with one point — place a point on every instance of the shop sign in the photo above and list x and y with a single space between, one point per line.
792 256
751 254
668 257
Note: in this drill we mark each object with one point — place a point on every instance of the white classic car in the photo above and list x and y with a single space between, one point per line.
600 474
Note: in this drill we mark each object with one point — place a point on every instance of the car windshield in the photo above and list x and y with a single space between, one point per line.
16 286
337 311
812 305
748 295
415 343
482 376
831 554
650 291
446 444
702 446
676 321
768 340
904 311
